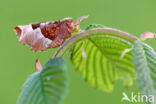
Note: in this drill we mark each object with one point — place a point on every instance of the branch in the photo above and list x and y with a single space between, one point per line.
93 32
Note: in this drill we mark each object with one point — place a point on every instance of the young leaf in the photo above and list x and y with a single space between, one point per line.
144 59
102 65
46 87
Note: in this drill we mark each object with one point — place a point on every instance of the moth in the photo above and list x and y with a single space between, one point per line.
52 34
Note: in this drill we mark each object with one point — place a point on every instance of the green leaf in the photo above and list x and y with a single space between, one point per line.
102 65
144 59
96 55
46 87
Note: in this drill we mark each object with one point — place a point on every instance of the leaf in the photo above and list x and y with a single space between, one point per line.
46 87
102 65
144 59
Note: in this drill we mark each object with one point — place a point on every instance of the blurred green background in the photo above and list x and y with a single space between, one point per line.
17 61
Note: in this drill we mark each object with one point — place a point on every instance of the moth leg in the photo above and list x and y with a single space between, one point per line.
56 42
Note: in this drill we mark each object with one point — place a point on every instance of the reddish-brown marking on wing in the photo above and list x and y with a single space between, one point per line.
58 31
56 42
50 30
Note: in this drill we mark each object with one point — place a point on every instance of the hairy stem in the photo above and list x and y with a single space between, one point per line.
88 33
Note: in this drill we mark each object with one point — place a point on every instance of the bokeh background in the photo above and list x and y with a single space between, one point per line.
17 61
